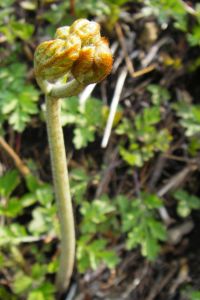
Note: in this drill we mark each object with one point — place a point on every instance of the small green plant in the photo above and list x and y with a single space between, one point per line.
190 120
166 10
143 137
18 99
176 11
186 203
139 223
190 293
41 224
87 119
189 117
98 217
108 9
159 95
10 27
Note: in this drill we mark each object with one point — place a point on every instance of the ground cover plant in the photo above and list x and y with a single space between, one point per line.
136 201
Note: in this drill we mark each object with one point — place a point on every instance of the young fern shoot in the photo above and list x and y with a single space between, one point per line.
80 52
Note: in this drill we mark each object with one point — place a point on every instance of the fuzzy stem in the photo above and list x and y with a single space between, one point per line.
62 192
60 90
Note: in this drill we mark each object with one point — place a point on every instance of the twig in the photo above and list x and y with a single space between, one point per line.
107 173
123 45
182 277
153 51
160 284
144 71
113 108
86 94
175 234
72 7
135 283
174 157
176 180
158 168
24 170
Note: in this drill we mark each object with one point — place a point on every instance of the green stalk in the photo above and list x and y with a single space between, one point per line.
53 61
62 192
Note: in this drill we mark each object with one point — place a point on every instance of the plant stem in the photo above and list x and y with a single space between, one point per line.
24 170
62 192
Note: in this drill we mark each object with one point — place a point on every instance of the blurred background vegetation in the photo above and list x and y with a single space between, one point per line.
137 201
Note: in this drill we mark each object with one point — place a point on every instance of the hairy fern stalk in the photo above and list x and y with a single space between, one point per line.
81 52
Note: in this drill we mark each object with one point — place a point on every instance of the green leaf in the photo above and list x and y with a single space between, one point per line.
194 145
123 203
152 200
135 237
4 294
186 203
110 258
18 119
48 290
194 36
7 3
70 111
79 181
140 224
22 30
86 119
183 209
36 295
52 266
91 7
159 94
195 295
150 248
133 158
32 183
56 13
157 229
126 128
44 220
150 116
166 9
81 254
13 208
91 254
18 99
82 136
10 104
93 112
190 117
8 183
45 194
12 234
38 271
21 283
95 213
